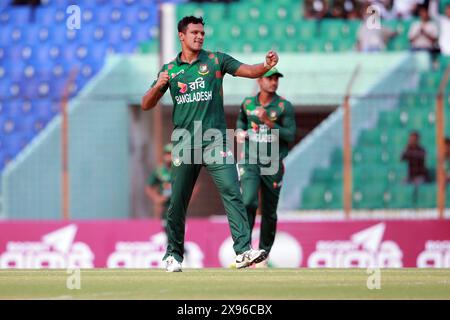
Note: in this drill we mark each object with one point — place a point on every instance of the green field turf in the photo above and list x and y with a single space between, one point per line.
226 284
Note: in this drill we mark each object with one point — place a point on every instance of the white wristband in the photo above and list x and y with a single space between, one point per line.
266 66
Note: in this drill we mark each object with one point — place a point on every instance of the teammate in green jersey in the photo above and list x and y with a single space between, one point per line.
258 116
159 188
194 79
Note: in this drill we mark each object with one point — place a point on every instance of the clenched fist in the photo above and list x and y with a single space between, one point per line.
163 79
271 59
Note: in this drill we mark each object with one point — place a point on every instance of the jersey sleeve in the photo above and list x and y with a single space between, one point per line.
287 127
228 64
242 122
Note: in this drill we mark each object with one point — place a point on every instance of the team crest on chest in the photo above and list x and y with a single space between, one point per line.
203 69
273 115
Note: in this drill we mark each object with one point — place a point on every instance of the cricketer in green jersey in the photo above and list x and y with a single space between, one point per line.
159 187
258 116
194 79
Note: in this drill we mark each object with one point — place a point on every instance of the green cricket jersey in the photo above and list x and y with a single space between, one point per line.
279 111
161 178
197 93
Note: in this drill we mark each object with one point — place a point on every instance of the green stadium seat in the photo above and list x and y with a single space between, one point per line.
426 196
349 29
333 197
430 81
274 12
322 175
444 61
370 137
337 156
400 196
331 29
149 47
244 12
346 44
447 197
250 31
398 43
369 196
397 173
189 9
307 29
388 119
290 45
418 119
226 30
369 154
410 100
373 175
313 197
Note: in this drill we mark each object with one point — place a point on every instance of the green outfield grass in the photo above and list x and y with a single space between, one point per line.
226 284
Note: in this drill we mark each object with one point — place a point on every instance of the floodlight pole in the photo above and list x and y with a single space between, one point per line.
347 143
440 129
65 174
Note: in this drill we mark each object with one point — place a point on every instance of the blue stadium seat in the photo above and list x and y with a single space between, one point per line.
16 15
143 32
33 89
9 89
51 17
92 33
15 143
36 34
10 35
139 15
43 110
14 71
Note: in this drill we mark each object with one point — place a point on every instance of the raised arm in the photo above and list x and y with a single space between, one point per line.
257 70
152 96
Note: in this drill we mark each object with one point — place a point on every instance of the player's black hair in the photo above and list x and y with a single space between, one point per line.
415 133
183 23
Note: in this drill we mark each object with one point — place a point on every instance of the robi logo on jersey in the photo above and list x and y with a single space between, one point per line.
182 86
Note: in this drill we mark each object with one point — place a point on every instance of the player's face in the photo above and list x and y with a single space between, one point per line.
193 37
269 84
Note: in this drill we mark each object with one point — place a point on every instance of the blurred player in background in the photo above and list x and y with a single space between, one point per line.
258 115
195 79
159 188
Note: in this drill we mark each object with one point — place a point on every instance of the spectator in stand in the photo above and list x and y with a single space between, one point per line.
423 34
372 39
414 155
444 26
